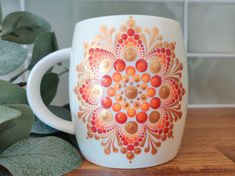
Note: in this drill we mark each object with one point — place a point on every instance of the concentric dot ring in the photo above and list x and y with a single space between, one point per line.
134 100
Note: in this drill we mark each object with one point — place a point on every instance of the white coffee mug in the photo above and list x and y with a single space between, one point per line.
128 90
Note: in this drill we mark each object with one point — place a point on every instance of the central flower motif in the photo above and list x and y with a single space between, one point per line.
130 89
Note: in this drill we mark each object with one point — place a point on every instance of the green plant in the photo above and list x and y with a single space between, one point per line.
22 135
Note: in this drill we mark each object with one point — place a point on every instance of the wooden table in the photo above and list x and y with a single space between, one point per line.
208 148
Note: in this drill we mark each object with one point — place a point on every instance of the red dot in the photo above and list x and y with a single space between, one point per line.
155 103
120 41
136 143
93 128
119 65
163 50
80 90
141 117
91 51
166 130
125 143
106 102
106 81
124 36
168 52
130 32
121 117
136 37
97 50
141 65
168 59
130 147
156 81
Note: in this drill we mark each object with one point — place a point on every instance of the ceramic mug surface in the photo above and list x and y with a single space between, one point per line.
128 90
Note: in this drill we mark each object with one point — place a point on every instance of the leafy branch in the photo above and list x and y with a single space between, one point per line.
18 125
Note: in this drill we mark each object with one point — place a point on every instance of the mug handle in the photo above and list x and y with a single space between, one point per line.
34 95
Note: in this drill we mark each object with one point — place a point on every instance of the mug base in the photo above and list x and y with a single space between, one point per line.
112 166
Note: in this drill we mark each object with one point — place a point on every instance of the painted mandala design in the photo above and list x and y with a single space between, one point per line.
130 89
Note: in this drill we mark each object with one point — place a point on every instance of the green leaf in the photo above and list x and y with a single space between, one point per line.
41 128
49 87
50 156
23 27
16 129
45 43
11 93
7 114
12 56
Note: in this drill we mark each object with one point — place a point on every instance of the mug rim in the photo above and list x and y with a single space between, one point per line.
128 15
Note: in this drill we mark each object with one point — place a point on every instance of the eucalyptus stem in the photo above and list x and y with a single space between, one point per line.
15 77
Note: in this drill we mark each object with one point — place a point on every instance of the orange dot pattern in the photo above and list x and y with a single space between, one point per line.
131 91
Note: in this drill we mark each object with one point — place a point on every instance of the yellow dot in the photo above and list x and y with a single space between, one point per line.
130 70
117 77
96 91
131 112
105 65
145 77
106 116
116 107
155 66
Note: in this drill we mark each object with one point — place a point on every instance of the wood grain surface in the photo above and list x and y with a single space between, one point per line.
208 148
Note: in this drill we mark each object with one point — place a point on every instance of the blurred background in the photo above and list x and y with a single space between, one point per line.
208 27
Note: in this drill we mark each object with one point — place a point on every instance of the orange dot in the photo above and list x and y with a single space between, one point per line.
143 97
141 117
156 81
141 65
117 77
144 86
116 107
118 98
111 91
151 92
155 103
125 78
136 105
130 155
121 117
131 112
145 106
136 78
106 102
130 39
145 77
130 70
125 105
118 86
